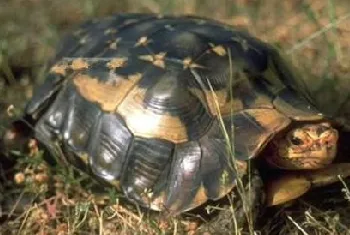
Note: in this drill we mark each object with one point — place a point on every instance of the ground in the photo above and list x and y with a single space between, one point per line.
314 35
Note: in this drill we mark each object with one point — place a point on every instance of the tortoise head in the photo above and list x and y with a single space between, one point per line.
307 146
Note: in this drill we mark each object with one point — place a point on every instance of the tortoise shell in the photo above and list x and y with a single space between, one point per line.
168 109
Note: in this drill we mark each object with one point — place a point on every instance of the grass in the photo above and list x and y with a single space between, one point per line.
313 33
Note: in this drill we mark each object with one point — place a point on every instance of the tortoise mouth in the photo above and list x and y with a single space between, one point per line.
307 146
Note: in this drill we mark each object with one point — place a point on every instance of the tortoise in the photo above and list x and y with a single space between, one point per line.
174 110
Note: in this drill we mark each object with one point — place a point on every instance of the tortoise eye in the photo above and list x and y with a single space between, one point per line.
296 141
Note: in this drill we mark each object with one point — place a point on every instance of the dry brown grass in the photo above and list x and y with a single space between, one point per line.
315 35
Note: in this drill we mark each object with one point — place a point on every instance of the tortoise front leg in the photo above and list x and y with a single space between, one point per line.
296 183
